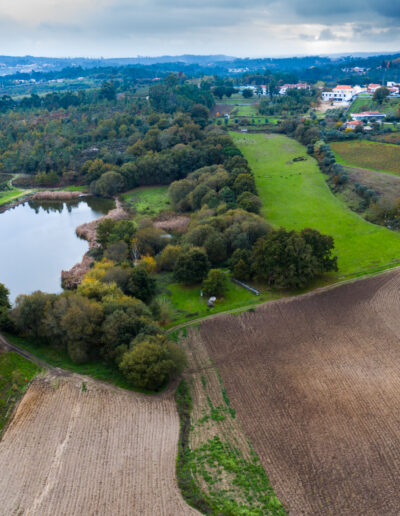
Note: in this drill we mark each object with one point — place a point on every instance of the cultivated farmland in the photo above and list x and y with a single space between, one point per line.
219 458
79 447
366 154
315 384
295 195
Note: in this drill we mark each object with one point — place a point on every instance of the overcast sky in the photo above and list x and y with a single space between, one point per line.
127 28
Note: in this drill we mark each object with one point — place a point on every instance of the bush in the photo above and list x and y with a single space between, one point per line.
169 256
215 283
192 266
140 285
108 185
152 362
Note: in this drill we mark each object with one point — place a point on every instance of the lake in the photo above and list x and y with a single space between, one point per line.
38 241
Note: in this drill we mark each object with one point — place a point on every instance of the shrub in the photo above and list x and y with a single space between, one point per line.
215 283
192 266
152 362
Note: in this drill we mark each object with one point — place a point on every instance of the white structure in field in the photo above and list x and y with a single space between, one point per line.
300 86
342 93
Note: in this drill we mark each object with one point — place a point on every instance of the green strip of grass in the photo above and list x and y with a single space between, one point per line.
10 195
186 303
295 195
15 374
59 358
249 491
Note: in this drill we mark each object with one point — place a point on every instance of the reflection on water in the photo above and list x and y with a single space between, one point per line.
38 240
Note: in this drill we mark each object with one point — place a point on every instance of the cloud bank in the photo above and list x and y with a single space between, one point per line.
155 27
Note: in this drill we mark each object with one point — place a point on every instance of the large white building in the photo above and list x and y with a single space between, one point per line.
342 93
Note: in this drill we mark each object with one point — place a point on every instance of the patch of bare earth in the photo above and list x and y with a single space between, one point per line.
90 450
386 185
222 109
173 223
315 381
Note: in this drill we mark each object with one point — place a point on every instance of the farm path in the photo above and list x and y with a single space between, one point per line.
315 383
76 446
9 346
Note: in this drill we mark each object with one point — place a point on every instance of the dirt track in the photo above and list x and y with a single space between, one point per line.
315 381
100 451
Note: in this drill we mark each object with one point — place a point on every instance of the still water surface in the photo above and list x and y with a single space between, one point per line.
38 241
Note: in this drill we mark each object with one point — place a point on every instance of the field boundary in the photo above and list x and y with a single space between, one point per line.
336 284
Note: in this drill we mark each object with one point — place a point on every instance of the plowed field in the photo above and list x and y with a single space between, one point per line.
90 449
315 381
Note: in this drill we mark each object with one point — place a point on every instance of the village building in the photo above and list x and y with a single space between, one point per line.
299 86
353 124
342 93
371 88
368 115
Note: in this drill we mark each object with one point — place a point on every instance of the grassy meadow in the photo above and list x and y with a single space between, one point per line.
15 375
185 302
247 110
10 195
389 106
366 154
295 195
149 200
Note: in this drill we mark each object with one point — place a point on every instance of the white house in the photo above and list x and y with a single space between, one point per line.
299 86
371 88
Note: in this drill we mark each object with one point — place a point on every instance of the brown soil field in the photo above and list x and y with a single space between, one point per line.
386 185
221 109
90 449
222 461
315 382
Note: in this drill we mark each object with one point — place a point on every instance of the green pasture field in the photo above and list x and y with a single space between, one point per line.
15 375
390 105
186 303
10 195
149 200
237 98
249 110
76 188
367 154
295 195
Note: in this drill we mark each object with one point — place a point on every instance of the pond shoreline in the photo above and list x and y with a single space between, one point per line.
47 195
71 278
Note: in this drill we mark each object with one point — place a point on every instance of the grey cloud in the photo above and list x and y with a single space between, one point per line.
231 26
327 35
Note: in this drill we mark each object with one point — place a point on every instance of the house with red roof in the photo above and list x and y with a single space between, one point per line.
371 88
